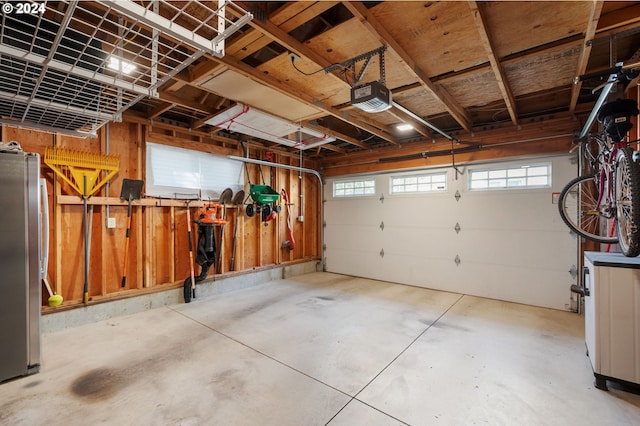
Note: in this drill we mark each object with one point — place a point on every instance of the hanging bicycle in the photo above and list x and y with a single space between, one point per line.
604 204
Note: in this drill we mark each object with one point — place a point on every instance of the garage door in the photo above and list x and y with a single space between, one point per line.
485 239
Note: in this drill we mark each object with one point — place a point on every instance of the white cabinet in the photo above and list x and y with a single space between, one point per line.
612 317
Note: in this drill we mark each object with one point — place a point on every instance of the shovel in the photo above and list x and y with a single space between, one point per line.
131 190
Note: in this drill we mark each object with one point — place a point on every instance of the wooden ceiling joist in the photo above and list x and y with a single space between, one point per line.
338 135
171 98
618 18
594 17
445 69
496 66
268 81
371 23
287 18
160 109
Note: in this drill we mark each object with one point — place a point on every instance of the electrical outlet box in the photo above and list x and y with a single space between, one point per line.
111 222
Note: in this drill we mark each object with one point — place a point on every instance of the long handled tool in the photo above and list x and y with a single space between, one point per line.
238 200
131 190
83 171
190 283
291 242
85 288
225 197
54 299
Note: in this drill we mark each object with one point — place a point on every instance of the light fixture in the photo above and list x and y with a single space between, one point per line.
253 122
120 65
403 127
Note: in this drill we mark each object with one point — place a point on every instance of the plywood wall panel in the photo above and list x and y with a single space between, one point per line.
109 255
126 151
72 246
251 237
30 140
158 246
161 242
181 243
267 256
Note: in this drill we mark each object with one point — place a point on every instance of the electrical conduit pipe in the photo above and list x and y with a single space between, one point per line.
298 169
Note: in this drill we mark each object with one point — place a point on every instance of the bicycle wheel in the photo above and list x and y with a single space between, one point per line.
585 219
627 184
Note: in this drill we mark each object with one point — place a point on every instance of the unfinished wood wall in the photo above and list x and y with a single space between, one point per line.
158 248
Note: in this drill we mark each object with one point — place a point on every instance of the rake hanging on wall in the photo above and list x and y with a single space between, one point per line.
74 166
82 170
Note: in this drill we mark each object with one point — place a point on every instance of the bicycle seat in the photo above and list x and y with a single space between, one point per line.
616 117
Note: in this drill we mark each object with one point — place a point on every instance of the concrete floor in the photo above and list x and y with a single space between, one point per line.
321 349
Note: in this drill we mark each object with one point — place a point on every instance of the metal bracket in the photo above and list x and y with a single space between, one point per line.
214 46
573 271
601 99
350 65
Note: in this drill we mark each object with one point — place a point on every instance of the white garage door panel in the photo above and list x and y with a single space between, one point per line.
414 270
423 242
354 238
516 283
360 264
511 244
510 209
516 247
355 212
419 210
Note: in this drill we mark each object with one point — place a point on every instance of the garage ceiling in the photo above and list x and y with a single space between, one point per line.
452 66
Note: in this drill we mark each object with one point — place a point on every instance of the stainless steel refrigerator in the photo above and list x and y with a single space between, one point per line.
20 269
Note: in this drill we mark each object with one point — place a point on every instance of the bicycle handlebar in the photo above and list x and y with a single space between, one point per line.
618 69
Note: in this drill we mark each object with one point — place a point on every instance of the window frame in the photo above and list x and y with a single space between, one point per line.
417 176
507 177
354 182
166 179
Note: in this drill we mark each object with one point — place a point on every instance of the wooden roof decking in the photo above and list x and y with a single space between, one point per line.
462 66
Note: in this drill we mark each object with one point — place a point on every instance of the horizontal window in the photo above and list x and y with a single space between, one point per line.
354 188
183 173
434 182
525 176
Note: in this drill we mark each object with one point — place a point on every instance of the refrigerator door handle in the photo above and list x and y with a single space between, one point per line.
44 261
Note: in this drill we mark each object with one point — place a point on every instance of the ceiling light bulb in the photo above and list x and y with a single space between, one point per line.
120 65
404 127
